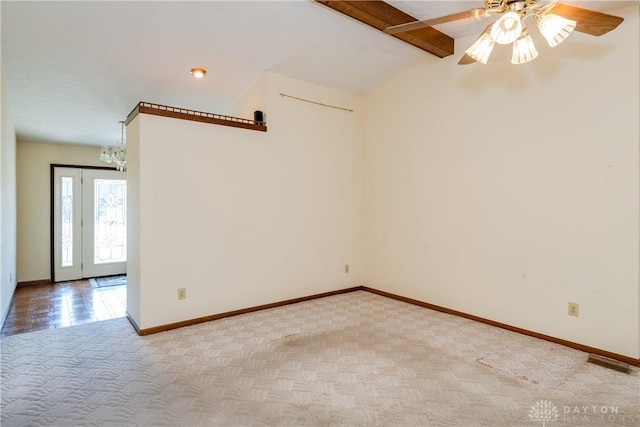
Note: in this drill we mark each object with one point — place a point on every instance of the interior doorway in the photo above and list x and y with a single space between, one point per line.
89 223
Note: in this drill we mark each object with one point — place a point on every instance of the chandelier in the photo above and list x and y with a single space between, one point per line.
116 154
510 29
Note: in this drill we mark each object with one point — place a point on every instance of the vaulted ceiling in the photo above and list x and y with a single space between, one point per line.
73 69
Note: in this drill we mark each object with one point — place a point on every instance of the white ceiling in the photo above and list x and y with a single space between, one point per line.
74 68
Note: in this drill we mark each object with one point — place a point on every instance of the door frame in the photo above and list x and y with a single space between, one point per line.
52 180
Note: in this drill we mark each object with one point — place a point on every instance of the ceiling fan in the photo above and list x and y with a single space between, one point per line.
554 20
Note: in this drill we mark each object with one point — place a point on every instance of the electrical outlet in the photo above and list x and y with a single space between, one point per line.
182 293
346 268
574 309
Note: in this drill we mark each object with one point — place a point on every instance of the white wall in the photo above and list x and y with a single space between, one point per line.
247 218
134 216
507 191
255 98
7 201
34 201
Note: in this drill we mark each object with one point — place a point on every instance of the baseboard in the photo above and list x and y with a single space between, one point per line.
34 283
6 313
19 285
585 348
133 323
163 328
577 346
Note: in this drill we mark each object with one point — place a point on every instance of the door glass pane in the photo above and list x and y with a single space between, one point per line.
66 213
110 221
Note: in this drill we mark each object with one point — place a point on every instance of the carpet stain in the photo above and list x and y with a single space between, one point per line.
285 337
521 377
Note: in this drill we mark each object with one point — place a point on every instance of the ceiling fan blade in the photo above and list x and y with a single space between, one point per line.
466 60
403 28
588 21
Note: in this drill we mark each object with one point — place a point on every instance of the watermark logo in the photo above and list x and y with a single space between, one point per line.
543 411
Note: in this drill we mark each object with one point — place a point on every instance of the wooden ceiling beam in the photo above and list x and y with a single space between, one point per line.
380 15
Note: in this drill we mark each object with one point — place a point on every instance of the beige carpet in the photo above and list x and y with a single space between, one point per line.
355 359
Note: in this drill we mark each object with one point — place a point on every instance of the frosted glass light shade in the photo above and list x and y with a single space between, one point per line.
523 49
481 49
555 28
507 29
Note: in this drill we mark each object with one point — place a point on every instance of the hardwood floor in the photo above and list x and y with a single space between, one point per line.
58 305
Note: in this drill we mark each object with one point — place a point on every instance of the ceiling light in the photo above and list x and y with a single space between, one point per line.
116 154
507 29
481 49
523 49
198 73
510 28
555 28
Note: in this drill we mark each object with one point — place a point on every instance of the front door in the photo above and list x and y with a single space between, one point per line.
89 223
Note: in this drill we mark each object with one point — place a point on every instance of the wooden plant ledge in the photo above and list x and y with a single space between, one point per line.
196 116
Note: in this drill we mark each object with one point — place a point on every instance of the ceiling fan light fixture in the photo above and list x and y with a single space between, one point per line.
554 28
481 49
507 29
496 6
523 49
